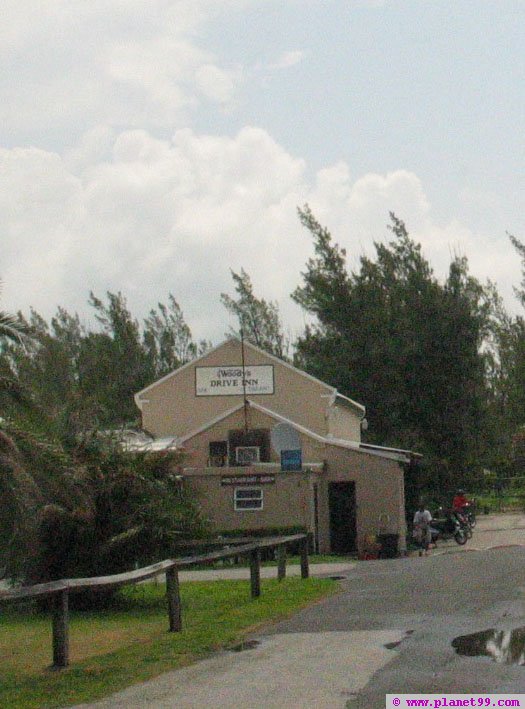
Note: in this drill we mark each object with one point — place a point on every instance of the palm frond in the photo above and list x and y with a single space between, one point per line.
11 327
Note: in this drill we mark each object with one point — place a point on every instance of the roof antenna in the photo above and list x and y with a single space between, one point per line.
244 385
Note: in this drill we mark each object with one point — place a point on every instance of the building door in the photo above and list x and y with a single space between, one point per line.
316 518
342 507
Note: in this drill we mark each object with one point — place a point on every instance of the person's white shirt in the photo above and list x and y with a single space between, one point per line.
422 518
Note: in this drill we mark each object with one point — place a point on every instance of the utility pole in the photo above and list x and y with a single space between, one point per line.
244 385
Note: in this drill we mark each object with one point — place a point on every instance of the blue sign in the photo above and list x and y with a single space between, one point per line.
291 460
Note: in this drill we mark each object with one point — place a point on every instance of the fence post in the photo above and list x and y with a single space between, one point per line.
61 629
173 594
305 571
281 562
255 573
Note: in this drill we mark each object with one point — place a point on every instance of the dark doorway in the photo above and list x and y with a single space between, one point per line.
341 501
316 518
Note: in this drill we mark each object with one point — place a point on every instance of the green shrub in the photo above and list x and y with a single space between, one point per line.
138 511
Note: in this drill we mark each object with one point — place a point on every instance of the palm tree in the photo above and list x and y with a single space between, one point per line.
19 493
34 471
11 327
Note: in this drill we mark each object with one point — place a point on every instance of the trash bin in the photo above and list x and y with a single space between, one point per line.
389 545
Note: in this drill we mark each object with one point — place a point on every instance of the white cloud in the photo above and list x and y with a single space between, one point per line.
288 59
149 216
70 66
216 84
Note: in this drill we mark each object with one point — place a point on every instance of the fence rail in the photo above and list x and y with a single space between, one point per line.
60 590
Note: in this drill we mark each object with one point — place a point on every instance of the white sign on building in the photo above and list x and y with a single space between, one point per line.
228 381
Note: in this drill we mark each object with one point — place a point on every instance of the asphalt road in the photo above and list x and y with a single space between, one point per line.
431 600
389 631
492 531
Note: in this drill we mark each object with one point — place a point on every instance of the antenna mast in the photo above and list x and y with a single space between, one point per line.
244 384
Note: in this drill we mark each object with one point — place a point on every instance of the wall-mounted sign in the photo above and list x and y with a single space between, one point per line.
229 381
291 460
247 479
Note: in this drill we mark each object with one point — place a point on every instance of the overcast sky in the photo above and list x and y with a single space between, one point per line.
149 146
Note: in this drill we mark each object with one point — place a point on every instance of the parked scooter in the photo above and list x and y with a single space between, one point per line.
446 525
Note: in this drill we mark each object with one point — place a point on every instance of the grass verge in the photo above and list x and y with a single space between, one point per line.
290 560
128 643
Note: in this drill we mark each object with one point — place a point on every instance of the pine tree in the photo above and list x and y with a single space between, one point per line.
258 318
407 346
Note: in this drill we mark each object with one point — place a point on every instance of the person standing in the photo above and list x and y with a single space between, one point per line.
422 534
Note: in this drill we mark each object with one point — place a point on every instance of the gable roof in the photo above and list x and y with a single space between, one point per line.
332 390
176 372
401 456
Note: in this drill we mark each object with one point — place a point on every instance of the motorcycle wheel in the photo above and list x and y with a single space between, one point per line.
460 537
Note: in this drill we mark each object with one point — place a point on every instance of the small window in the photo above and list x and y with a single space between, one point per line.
247 455
248 498
218 454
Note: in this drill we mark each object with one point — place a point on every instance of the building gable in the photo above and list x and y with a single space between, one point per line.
212 384
271 418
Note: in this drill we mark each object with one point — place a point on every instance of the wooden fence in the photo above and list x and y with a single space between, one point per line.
60 590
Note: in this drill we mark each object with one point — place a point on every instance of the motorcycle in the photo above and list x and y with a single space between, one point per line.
445 525
469 510
464 522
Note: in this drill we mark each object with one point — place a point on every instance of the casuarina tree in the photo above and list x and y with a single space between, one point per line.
391 335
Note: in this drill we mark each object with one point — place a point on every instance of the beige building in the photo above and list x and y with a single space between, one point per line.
268 446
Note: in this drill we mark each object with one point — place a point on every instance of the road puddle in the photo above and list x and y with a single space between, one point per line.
503 646
393 645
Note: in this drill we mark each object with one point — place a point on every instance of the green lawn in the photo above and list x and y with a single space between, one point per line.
129 643
290 560
317 559
509 501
